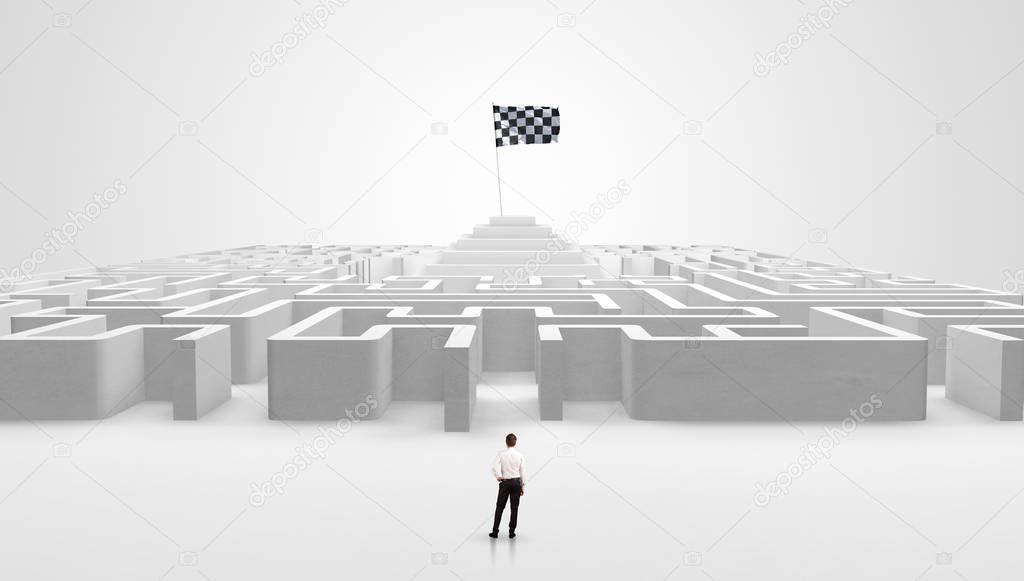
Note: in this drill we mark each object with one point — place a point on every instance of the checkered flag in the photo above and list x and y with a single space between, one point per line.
525 125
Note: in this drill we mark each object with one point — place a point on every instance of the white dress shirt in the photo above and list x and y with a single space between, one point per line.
509 463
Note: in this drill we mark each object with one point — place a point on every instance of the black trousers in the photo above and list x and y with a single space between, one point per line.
510 487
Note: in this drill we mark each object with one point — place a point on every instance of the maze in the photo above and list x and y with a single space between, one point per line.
671 332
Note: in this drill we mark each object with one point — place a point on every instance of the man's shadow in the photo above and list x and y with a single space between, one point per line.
511 547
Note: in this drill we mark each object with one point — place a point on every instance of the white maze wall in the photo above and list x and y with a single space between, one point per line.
673 332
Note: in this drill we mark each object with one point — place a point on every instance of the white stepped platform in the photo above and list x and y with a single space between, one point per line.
487 231
512 257
550 243
502 272
513 221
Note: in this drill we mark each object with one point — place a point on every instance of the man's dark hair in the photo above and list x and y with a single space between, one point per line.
510 440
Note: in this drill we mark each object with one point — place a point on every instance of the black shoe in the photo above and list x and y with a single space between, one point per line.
493 535
511 535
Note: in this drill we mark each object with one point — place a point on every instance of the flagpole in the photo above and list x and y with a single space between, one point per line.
501 210
497 167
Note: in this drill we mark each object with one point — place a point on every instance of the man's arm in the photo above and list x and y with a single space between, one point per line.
496 467
522 471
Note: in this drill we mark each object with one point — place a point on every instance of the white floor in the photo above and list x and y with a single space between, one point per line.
141 497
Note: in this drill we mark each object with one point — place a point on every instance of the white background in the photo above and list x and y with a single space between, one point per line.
335 142
141 497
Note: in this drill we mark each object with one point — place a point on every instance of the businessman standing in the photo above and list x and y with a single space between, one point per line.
509 468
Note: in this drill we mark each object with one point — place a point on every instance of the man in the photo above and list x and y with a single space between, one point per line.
509 468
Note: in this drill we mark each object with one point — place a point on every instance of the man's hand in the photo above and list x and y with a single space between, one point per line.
522 491
500 479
